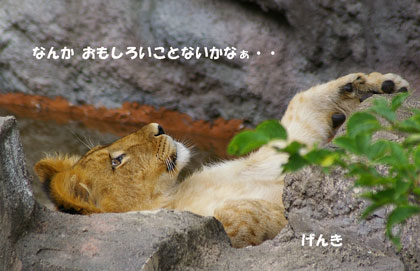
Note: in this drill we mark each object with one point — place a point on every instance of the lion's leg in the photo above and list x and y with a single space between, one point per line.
312 115
250 222
387 83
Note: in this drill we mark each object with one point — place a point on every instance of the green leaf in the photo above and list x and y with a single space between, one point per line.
273 129
370 209
402 213
376 150
393 188
378 199
416 116
398 153
396 241
416 156
246 141
398 100
358 144
293 148
362 122
412 140
362 143
408 126
296 162
329 160
323 157
368 180
401 188
357 169
399 215
382 108
396 158
382 196
347 143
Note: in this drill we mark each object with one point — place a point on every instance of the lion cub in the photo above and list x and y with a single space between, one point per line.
139 171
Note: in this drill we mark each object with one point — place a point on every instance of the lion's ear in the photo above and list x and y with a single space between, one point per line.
48 167
62 185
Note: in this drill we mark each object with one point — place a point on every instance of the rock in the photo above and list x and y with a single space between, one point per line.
313 41
16 199
288 254
37 238
167 240
160 240
329 204
410 238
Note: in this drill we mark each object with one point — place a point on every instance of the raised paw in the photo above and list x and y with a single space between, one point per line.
361 86
387 83
314 115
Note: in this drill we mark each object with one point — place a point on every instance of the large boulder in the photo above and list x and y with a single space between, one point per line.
36 238
313 41
329 204
160 240
16 199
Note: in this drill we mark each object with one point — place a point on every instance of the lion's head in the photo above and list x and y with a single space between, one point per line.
129 174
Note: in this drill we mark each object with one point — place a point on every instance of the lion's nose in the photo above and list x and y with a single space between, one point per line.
160 131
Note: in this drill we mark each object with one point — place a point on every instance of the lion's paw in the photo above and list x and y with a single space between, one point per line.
387 83
250 222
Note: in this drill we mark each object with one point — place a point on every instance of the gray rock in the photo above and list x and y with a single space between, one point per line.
16 199
285 252
161 240
37 238
314 41
329 204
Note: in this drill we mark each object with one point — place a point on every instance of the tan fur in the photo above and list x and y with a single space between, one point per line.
244 194
308 116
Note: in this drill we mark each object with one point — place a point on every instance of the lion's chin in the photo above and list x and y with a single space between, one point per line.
183 155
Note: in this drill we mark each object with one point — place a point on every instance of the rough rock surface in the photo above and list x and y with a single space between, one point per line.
35 238
16 199
158 240
285 252
314 41
328 204
39 239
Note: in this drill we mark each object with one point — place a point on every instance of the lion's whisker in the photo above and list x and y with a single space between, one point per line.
80 140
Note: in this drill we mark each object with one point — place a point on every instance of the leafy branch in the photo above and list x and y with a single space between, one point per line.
361 155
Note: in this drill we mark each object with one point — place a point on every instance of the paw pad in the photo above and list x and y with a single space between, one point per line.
338 119
388 86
